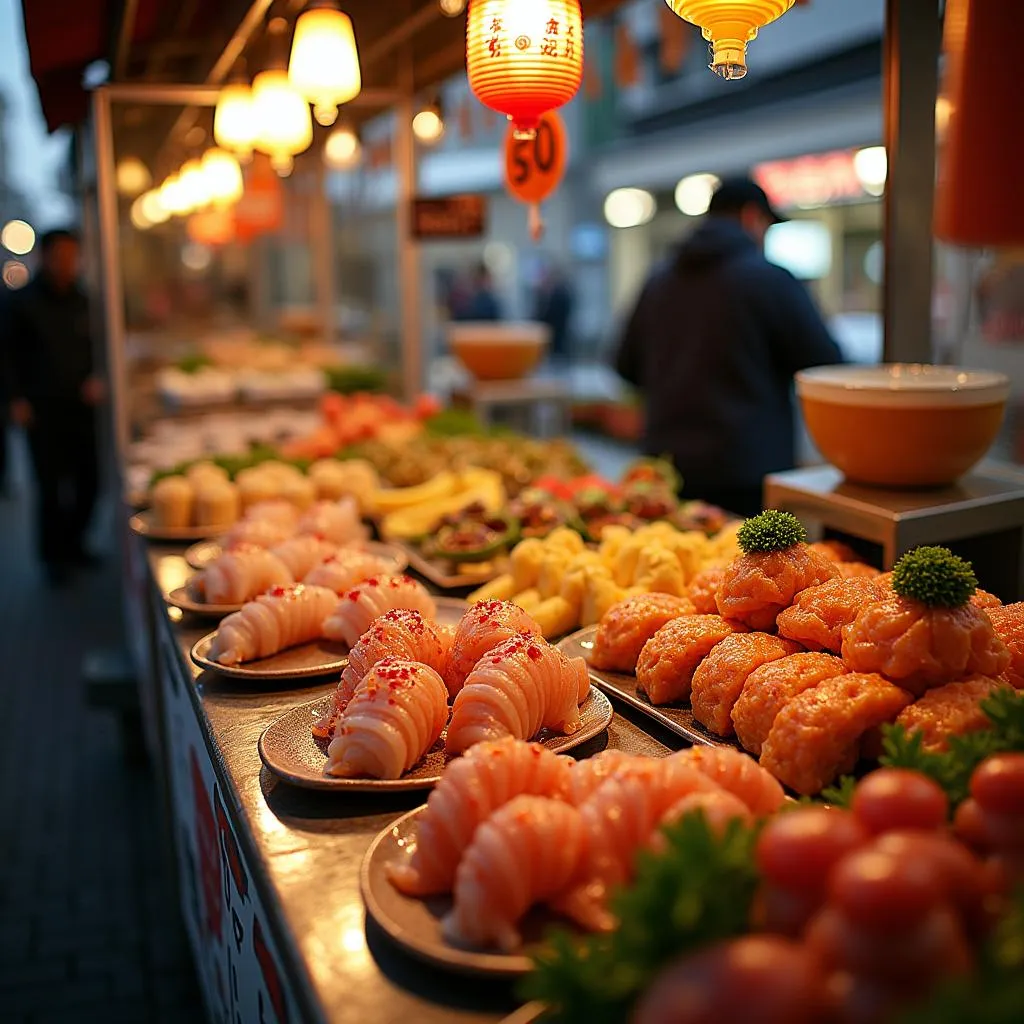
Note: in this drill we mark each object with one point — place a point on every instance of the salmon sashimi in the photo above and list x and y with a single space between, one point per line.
628 625
281 618
274 510
736 773
400 633
918 647
718 807
719 678
470 791
520 687
835 551
1008 622
816 737
260 533
303 553
760 585
620 817
668 660
525 853
817 617
857 570
702 590
334 521
480 630
769 687
950 710
355 610
587 775
238 575
396 715
345 568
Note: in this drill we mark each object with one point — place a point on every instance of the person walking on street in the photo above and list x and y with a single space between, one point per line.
712 344
54 392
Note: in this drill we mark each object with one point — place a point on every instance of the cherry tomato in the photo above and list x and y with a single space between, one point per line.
892 798
797 850
879 890
784 912
969 825
998 784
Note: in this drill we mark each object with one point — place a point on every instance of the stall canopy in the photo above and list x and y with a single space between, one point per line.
182 41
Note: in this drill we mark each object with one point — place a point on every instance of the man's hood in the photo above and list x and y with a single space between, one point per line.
716 240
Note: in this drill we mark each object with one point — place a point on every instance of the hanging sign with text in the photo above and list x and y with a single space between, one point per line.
534 167
451 217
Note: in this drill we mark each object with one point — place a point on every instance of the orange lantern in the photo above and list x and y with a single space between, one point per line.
524 57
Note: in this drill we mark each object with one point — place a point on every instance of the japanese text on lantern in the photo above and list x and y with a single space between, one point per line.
494 43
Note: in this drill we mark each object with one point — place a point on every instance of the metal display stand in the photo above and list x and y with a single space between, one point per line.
981 517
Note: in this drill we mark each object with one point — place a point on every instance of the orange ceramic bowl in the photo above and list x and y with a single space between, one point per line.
902 425
496 351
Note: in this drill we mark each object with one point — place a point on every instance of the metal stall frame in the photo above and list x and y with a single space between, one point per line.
322 238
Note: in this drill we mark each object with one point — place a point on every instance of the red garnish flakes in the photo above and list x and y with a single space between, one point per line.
533 652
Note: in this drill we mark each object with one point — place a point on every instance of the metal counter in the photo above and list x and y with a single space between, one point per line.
303 851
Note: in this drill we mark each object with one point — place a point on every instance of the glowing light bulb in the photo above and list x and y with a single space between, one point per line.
342 149
324 63
285 127
629 207
693 194
428 125
18 237
223 176
234 124
132 176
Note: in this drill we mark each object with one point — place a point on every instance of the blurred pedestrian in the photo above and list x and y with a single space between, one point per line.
480 301
554 307
54 391
713 343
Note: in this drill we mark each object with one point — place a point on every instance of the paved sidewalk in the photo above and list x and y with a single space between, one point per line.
89 931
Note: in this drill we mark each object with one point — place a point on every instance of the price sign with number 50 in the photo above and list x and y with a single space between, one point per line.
534 167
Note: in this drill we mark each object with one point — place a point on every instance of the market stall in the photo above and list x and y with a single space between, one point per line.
686 662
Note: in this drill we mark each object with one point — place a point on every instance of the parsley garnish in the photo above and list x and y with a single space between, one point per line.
935 577
771 530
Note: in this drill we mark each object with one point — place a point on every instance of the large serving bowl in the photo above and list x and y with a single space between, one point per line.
902 424
499 351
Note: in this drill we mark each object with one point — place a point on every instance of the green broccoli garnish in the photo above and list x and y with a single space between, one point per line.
772 530
935 577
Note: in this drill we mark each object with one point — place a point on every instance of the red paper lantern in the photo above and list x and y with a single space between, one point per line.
524 57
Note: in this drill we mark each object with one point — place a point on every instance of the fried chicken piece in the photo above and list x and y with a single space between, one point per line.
628 625
1008 622
950 710
919 647
816 737
768 688
668 660
817 616
720 677
759 585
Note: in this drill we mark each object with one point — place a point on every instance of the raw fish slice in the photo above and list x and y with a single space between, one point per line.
335 521
283 617
628 625
283 513
668 660
401 633
816 737
260 533
620 817
523 854
720 677
482 628
719 809
470 791
304 553
520 687
345 568
395 717
768 688
817 616
736 773
355 610
237 576
588 775
758 586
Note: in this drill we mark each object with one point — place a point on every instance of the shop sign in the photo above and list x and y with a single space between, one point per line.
810 181
238 966
534 167
451 217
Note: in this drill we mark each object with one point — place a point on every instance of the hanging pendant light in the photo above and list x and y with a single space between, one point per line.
285 128
324 63
223 177
342 150
729 25
428 125
234 125
524 57
193 185
173 197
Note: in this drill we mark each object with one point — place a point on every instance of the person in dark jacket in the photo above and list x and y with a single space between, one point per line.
713 343
554 307
54 392
480 302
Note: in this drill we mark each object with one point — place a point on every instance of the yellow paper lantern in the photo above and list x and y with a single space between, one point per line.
285 127
524 57
729 25
223 177
234 124
324 64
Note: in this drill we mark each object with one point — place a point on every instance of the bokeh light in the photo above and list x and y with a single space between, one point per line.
18 237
